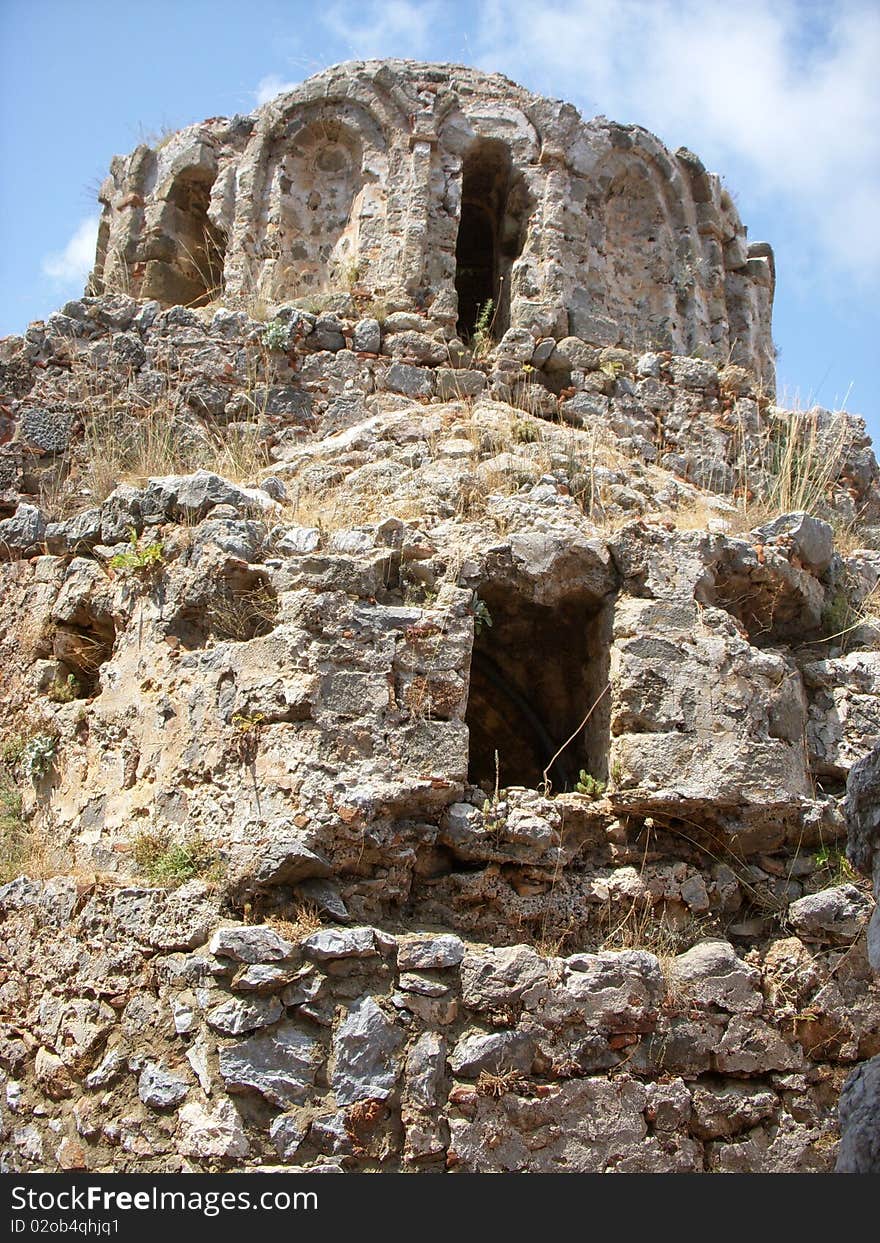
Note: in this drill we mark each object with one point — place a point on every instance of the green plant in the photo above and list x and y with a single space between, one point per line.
482 616
525 433
64 691
170 863
612 368
482 339
135 558
38 755
589 785
833 862
350 273
13 834
373 308
13 749
843 612
276 335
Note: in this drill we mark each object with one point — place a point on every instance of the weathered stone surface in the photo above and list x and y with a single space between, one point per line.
750 1046
497 979
729 1109
282 862
281 1065
424 1070
838 914
52 1075
366 1058
482 652
161 1088
589 1125
617 991
859 1151
862 809
367 336
45 430
427 952
617 203
237 1015
254 944
287 1133
491 1051
711 974
23 533
809 539
332 943
212 1134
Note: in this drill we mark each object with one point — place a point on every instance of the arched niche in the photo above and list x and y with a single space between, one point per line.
641 265
326 201
491 234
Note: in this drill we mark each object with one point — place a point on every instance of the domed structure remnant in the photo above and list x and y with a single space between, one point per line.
441 189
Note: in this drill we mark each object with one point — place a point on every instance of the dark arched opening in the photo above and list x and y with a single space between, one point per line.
187 255
202 247
535 674
491 234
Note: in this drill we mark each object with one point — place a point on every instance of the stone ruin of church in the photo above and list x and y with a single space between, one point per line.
440 189
440 683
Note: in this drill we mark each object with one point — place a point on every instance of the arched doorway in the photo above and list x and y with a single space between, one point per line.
491 234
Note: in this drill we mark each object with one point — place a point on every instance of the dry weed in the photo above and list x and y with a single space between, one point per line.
303 920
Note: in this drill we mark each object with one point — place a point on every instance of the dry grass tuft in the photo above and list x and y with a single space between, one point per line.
303 920
498 1084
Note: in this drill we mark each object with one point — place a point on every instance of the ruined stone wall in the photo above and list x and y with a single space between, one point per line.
361 176
163 1040
662 970
421 753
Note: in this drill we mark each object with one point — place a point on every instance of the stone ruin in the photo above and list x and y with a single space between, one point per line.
439 189
445 763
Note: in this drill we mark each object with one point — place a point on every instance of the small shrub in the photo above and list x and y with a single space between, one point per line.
837 869
589 785
38 755
169 863
525 433
244 615
64 690
499 1084
13 835
482 340
303 919
276 335
137 559
13 749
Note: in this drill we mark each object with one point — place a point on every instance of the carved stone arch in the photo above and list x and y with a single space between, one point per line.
644 277
322 223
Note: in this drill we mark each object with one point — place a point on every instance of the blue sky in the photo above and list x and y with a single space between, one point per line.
779 96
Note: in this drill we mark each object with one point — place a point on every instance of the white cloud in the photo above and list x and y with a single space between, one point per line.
386 27
72 264
270 86
781 91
